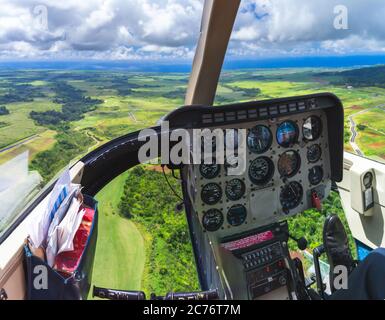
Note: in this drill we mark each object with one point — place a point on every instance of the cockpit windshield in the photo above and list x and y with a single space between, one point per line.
273 53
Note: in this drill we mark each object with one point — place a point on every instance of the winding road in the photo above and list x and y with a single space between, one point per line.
353 127
354 135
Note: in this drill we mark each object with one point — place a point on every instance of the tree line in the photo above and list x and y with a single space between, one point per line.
74 105
149 202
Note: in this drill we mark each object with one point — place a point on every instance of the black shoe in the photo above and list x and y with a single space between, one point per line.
336 245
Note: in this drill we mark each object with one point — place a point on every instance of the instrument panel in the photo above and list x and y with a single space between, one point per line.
287 159
294 149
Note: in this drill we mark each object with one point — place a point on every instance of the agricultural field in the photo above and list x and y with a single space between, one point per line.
364 104
101 105
97 105
120 254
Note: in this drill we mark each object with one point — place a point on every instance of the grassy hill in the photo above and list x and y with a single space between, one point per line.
149 202
149 248
120 251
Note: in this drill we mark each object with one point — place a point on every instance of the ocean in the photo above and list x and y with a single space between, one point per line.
185 66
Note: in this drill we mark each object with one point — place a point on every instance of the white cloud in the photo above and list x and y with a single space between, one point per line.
156 29
121 28
300 27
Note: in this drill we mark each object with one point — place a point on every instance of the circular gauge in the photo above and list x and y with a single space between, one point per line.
259 139
291 195
209 171
289 163
261 170
236 215
314 153
287 134
316 175
368 180
312 128
235 189
211 193
212 220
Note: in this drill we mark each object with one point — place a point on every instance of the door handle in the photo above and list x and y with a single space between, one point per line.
3 294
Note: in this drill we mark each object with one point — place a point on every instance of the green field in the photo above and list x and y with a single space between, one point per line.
150 204
120 252
133 100
149 249
20 126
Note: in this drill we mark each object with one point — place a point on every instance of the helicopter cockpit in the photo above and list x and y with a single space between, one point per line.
245 169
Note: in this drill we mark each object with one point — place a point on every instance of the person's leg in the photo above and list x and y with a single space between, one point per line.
367 281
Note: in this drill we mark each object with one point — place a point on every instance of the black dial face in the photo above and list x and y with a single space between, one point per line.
312 128
289 163
259 139
236 215
212 220
261 170
211 193
314 153
316 175
287 134
235 189
291 195
209 171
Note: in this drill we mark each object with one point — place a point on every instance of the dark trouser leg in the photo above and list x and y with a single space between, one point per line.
367 281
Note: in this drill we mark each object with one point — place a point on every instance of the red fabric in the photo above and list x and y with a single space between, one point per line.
67 262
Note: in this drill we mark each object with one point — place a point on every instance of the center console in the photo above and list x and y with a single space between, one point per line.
265 260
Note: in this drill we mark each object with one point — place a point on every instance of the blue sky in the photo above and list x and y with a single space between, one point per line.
168 29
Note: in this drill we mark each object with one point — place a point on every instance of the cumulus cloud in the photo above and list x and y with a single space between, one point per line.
299 27
120 29
169 29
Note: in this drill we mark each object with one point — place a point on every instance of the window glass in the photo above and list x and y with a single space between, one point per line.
286 48
76 75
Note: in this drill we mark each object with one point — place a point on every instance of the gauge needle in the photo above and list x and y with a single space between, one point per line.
291 187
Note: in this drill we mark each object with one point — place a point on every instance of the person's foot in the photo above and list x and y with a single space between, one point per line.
336 245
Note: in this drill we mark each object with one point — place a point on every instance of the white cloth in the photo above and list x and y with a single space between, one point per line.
61 236
39 229
63 209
